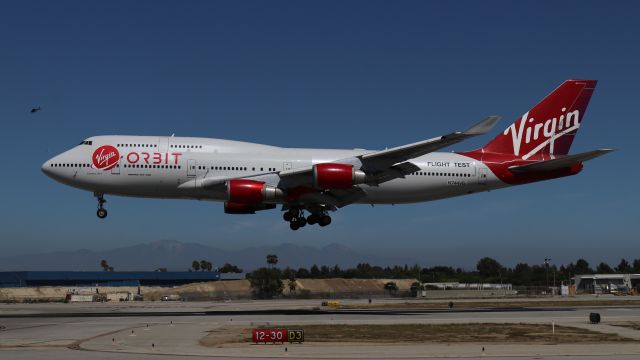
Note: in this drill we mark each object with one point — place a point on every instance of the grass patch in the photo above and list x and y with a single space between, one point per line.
453 333
427 333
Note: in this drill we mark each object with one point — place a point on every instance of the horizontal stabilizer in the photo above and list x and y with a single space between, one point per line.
559 163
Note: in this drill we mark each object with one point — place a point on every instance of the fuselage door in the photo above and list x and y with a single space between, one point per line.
482 175
163 144
116 169
191 167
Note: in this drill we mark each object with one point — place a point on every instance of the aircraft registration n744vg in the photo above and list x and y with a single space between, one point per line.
252 177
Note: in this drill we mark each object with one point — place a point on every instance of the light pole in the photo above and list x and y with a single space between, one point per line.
546 265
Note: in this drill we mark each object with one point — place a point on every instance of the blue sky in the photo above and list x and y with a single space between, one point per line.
334 74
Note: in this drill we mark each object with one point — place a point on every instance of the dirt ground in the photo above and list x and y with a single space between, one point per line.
227 289
426 333
635 325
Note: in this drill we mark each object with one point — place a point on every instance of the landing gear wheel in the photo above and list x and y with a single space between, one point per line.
313 219
287 216
301 222
324 220
102 213
294 225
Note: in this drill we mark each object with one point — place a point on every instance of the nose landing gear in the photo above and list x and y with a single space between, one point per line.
102 212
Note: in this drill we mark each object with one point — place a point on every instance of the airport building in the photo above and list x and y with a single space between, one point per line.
103 278
606 283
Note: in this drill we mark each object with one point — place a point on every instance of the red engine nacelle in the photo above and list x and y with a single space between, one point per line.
336 176
251 192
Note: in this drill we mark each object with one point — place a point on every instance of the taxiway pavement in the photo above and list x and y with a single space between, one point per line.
152 330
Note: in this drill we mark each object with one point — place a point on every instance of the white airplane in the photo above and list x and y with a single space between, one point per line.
250 177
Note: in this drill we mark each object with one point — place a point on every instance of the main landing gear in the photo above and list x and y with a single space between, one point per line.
296 219
102 212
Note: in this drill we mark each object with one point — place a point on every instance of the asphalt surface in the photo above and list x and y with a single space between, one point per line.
173 330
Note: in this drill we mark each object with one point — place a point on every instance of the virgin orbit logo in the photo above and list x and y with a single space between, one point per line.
549 131
105 157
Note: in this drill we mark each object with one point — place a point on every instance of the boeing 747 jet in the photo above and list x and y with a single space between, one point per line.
311 183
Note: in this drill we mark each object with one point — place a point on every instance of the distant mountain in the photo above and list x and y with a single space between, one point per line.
176 255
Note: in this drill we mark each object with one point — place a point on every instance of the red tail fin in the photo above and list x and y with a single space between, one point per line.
549 127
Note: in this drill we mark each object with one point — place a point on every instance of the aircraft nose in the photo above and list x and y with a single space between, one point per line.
46 167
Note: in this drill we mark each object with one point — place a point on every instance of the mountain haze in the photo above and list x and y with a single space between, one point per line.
177 256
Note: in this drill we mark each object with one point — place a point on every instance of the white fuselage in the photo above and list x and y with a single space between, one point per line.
173 167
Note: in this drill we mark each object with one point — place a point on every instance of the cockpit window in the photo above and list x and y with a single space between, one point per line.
86 143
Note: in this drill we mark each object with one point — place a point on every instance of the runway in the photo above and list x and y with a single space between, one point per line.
159 330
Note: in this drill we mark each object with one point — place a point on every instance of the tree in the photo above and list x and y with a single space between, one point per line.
205 265
272 260
364 271
582 267
522 274
105 266
315 272
488 267
292 286
265 283
604 268
336 272
303 273
324 271
624 267
162 269
228 268
195 265
288 273
391 287
636 266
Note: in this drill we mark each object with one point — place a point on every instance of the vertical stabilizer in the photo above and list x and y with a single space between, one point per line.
550 126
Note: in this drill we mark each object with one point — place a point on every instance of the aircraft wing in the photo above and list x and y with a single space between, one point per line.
559 163
389 164
334 198
385 158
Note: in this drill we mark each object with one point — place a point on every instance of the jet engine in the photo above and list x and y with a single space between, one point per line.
336 176
251 192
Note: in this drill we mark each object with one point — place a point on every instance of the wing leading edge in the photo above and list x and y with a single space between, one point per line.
388 157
